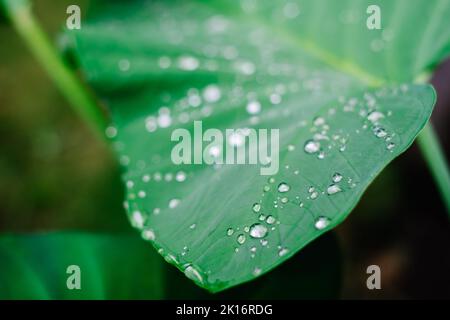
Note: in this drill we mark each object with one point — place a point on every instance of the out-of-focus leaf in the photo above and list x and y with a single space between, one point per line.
112 267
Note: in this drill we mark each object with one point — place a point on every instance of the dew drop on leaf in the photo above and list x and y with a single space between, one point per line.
138 219
256 272
321 223
193 274
312 146
174 203
283 187
148 234
270 220
253 107
241 239
379 132
337 177
390 146
180 176
256 207
334 188
211 93
258 231
374 116
283 251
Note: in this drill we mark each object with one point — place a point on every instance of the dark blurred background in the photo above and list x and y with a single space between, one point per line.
55 175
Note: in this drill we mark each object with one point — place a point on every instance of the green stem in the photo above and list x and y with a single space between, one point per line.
19 12
435 159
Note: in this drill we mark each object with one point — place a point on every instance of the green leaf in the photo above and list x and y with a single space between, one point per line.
313 273
318 74
112 267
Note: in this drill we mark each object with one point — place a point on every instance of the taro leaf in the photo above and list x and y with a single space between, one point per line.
312 273
112 267
311 69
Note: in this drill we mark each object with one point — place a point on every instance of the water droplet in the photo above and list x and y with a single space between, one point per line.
390 146
142 194
321 223
164 62
264 242
188 63
151 124
256 272
246 67
124 65
170 259
212 93
253 107
156 211
374 116
138 219
193 274
262 217
246 229
230 231
284 200
275 98
174 203
266 188
180 176
146 178
283 251
321 155
148 234
270 220
312 146
256 207
319 121
111 132
241 239
258 231
291 147
283 187
253 249
334 188
336 177
379 132
164 120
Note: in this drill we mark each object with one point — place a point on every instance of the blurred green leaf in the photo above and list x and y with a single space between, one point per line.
311 69
112 267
